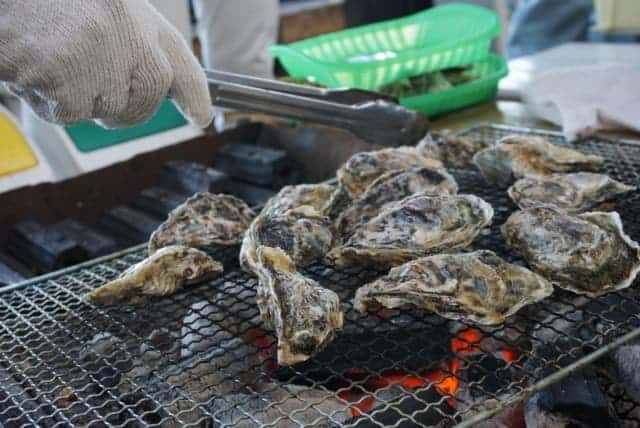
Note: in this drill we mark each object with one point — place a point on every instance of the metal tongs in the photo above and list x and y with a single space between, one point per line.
374 117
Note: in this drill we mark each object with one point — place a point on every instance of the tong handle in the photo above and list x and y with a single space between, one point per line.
377 121
342 96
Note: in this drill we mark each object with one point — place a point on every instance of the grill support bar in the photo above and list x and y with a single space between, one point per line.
550 380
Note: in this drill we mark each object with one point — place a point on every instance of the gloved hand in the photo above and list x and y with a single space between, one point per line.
110 60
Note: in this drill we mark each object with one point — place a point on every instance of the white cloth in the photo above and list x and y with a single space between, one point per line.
236 34
114 61
584 100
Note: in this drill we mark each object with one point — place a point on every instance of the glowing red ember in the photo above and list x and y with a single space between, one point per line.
445 381
466 342
265 345
510 355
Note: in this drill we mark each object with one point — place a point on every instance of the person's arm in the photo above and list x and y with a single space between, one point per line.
113 61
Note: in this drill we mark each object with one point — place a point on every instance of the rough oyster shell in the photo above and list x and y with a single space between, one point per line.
587 253
363 168
390 187
517 156
574 193
292 221
204 219
452 150
290 197
302 233
304 315
478 287
340 201
417 226
162 274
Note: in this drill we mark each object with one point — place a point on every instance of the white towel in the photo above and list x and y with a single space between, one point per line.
584 100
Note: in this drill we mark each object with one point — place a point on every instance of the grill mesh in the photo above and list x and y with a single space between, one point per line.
204 358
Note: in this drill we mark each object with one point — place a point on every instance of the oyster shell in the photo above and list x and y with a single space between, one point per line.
417 226
574 193
477 287
338 203
315 196
516 157
204 219
587 253
453 151
304 315
162 274
390 187
292 221
302 233
362 169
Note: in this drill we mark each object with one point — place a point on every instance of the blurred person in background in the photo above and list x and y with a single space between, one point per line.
542 24
236 34
361 12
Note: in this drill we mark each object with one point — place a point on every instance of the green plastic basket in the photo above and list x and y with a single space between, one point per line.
483 88
371 56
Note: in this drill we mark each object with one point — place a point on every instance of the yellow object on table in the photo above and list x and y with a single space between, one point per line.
15 153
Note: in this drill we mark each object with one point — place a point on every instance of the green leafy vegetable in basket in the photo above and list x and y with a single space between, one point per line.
430 82
300 81
425 83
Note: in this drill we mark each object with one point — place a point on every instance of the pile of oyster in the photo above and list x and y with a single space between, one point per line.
399 209
562 230
175 259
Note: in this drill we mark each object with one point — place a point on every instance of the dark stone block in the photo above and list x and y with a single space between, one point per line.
94 243
44 248
254 196
128 226
8 276
158 201
191 177
262 166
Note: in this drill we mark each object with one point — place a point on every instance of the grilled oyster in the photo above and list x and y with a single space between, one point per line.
302 233
162 274
315 196
304 315
393 186
363 168
574 193
453 151
477 287
204 219
587 253
292 221
516 157
417 226
338 203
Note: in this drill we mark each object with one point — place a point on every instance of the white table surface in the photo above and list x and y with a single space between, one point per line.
523 69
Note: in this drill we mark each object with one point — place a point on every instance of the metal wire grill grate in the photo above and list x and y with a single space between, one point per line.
203 357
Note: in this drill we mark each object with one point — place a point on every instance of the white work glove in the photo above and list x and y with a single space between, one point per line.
585 100
113 61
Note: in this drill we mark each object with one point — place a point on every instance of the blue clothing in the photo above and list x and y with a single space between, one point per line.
542 24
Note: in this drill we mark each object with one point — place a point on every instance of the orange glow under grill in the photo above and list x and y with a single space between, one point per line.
466 342
443 378
510 355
